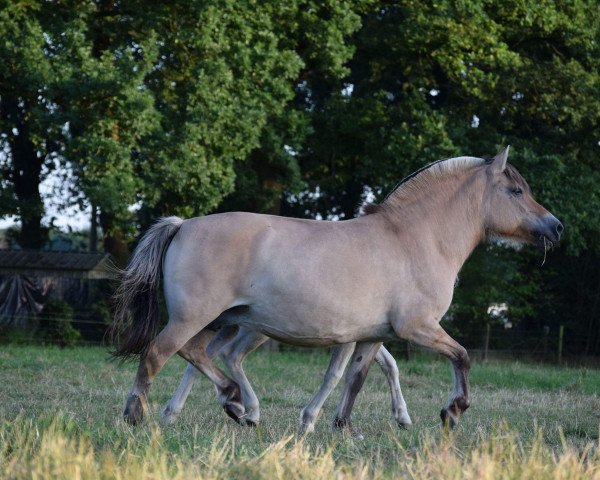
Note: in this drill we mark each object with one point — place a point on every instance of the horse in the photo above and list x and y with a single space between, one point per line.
242 404
379 277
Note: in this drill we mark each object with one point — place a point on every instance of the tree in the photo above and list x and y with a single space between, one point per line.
160 104
31 72
228 93
430 80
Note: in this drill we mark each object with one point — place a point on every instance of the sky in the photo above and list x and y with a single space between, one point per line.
55 192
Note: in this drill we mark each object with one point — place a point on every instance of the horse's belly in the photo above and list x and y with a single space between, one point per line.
306 326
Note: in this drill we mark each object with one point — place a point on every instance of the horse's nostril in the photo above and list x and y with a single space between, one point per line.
559 228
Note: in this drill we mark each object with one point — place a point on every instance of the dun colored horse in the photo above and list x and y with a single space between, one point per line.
386 275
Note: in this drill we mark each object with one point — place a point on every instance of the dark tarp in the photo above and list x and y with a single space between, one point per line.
20 297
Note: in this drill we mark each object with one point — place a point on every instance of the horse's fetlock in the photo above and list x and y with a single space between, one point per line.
462 403
235 411
134 410
342 423
307 415
232 392
449 419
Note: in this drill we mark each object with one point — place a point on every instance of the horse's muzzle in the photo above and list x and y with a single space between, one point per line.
549 230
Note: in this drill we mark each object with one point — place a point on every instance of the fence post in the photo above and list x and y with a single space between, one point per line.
94 229
486 342
271 345
561 332
545 333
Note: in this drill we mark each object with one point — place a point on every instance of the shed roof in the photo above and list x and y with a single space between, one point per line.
56 264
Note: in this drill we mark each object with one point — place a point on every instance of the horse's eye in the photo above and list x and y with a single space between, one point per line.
517 191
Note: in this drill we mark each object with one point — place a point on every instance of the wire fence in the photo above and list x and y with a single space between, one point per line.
541 345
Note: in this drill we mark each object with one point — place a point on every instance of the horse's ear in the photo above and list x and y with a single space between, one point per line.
499 161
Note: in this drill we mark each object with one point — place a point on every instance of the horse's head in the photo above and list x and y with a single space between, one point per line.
511 212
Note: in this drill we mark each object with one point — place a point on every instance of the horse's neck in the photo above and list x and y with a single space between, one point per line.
451 216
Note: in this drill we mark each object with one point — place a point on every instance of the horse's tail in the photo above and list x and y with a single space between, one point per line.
137 317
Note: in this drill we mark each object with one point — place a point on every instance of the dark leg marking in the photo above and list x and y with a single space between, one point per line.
342 423
233 405
134 410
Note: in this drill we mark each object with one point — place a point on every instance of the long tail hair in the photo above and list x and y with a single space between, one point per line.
136 318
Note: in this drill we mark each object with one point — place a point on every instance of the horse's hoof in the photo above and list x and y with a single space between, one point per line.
169 416
251 423
404 422
134 410
405 425
306 428
233 412
449 419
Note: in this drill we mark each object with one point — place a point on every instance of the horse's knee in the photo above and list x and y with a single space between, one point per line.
462 360
332 379
388 365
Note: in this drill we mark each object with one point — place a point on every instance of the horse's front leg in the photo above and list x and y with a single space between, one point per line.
431 335
177 401
339 358
390 369
362 358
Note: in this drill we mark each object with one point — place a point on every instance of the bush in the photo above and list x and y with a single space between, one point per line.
56 321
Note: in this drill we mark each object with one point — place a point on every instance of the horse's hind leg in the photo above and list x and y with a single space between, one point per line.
228 391
434 337
233 354
173 337
388 365
355 377
177 401
339 358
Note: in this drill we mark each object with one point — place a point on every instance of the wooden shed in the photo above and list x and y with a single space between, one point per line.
28 278
90 266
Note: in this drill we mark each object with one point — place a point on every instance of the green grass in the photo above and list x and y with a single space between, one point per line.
80 393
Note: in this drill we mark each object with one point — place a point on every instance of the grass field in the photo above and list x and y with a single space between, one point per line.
60 417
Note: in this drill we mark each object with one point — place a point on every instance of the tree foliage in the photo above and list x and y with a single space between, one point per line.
159 104
307 108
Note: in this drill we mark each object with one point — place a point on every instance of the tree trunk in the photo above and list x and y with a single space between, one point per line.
114 240
26 177
94 229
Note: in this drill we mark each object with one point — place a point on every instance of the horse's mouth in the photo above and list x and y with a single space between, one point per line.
544 242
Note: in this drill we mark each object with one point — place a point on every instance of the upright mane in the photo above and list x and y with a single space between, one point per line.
423 178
